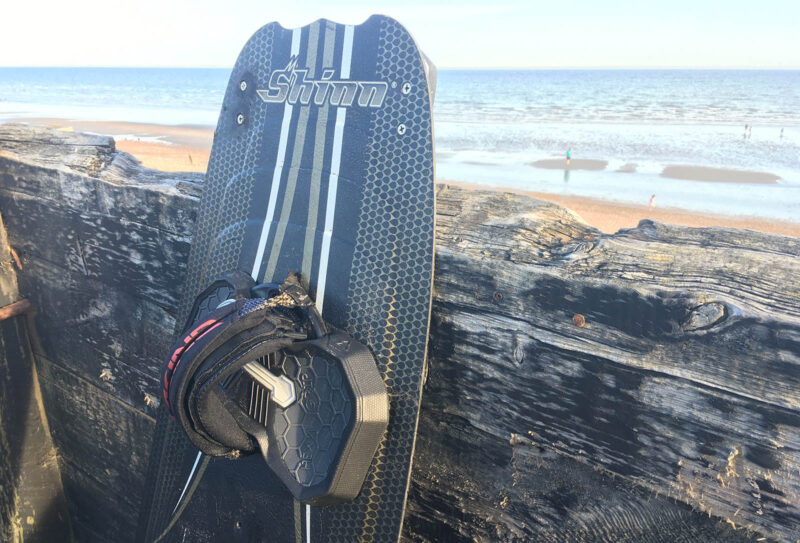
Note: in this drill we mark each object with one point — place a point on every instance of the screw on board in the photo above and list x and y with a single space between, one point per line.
243 86
406 88
240 119
401 129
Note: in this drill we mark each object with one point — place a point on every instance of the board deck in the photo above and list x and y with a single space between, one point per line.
322 165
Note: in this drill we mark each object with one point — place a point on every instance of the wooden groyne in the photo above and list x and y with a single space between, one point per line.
641 386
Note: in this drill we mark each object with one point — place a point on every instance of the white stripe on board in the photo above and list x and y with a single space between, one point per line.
276 175
333 181
330 208
188 480
347 51
308 523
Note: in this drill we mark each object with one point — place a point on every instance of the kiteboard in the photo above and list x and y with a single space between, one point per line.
322 172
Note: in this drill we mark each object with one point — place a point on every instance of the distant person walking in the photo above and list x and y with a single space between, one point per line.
750 132
745 131
569 155
652 202
781 133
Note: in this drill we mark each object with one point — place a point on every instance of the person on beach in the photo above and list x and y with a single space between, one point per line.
781 133
569 155
652 202
750 132
745 131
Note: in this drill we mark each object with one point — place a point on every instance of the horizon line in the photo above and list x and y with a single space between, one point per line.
487 68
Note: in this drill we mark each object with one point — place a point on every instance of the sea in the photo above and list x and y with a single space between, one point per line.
491 125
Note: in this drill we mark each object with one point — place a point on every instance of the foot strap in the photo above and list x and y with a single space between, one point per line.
212 352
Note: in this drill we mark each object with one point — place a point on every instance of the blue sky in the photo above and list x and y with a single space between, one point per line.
498 34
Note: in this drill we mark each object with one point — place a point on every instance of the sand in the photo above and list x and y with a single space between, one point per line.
169 158
187 148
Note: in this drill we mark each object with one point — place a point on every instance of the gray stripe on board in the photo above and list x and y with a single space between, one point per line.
294 168
313 42
298 522
276 174
316 169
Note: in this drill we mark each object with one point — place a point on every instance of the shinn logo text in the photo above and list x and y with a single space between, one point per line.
291 85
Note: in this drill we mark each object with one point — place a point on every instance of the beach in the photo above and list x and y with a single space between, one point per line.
610 217
673 138
187 148
161 147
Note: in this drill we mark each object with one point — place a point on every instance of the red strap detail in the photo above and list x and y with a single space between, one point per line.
196 331
190 340
198 338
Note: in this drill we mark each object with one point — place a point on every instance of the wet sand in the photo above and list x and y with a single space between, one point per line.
628 168
690 173
187 148
719 175
574 164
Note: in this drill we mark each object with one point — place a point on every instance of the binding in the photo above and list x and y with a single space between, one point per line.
323 406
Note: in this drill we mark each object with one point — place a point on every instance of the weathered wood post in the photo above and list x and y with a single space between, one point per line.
32 503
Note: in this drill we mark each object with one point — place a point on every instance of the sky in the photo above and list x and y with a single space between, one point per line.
464 34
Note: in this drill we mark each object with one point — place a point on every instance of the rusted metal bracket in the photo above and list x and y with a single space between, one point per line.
19 307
